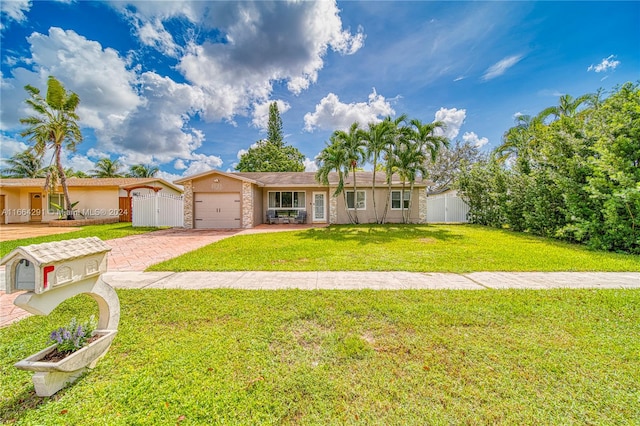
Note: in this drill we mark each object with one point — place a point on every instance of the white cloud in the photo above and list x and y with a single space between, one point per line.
202 163
331 114
10 147
453 119
14 10
261 113
501 67
169 177
471 137
310 165
607 64
179 165
247 46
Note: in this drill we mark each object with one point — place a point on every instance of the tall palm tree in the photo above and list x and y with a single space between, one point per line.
107 168
54 126
424 144
24 165
567 107
334 158
390 156
519 141
377 137
353 144
143 171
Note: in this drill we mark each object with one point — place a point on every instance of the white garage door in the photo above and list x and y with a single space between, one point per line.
214 211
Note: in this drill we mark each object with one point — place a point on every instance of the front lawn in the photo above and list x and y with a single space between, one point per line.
104 232
340 357
414 248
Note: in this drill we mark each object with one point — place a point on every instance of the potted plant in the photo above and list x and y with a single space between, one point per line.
76 348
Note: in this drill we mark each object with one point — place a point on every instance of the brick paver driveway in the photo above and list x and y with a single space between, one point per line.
138 252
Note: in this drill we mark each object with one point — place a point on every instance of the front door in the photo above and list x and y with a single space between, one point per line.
35 211
319 207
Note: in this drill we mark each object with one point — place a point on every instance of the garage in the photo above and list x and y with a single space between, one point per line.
217 210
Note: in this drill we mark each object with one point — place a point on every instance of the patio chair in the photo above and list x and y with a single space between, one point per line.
271 217
301 217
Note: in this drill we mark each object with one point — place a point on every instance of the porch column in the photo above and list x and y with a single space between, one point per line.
247 205
188 205
422 206
333 209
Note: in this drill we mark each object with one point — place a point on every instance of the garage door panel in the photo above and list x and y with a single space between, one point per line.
217 210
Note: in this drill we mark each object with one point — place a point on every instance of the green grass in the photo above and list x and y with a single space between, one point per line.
104 232
337 357
416 248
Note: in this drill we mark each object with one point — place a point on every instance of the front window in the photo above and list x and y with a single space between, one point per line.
395 200
56 203
286 199
361 200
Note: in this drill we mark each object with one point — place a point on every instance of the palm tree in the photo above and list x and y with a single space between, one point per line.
75 173
24 165
54 126
334 158
143 171
377 138
567 107
353 144
424 143
390 156
107 168
519 141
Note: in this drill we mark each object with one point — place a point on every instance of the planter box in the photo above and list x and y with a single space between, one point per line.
50 377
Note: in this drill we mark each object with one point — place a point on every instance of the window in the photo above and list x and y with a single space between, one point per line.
361 200
286 199
58 200
395 200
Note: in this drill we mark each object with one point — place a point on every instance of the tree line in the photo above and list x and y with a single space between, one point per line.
27 164
571 172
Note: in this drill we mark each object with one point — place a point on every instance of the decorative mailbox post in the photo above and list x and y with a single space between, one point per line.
51 273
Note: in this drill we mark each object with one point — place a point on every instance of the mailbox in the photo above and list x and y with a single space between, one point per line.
43 267
49 274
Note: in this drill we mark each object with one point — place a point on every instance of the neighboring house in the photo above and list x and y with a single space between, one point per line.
218 199
26 200
445 206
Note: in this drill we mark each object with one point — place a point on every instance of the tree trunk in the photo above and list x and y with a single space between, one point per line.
63 183
373 189
404 220
386 204
355 196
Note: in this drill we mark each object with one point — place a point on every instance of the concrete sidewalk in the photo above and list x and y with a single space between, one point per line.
347 281
252 280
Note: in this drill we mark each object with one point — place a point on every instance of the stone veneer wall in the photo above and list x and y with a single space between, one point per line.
333 209
247 205
422 206
188 205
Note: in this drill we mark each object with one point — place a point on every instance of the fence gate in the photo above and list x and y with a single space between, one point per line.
446 208
158 210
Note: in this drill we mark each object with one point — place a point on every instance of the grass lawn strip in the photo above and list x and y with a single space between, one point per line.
332 357
410 248
104 232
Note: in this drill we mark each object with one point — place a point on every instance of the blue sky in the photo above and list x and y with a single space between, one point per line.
186 85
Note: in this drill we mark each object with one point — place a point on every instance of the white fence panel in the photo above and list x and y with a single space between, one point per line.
446 208
158 210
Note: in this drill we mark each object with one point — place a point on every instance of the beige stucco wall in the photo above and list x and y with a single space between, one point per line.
93 203
258 213
368 215
223 184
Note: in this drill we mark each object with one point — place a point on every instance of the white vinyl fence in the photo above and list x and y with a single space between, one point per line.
157 210
446 208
